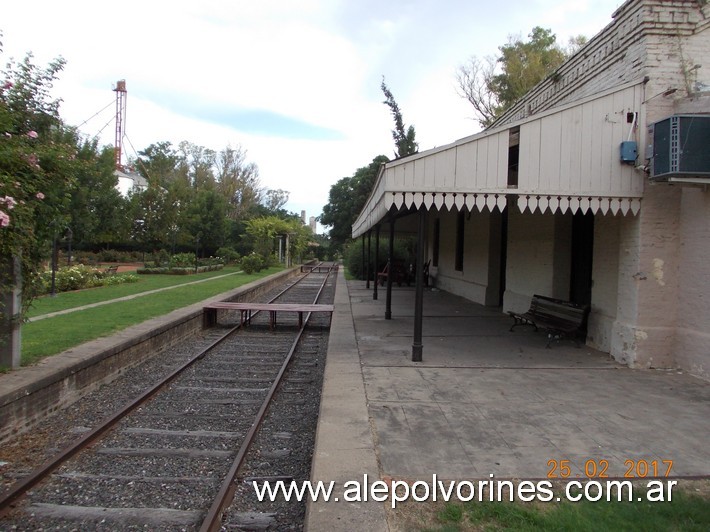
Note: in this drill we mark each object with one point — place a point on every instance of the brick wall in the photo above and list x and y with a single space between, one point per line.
605 276
693 317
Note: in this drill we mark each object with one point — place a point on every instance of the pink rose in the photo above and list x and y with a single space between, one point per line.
4 219
9 201
32 134
39 195
33 160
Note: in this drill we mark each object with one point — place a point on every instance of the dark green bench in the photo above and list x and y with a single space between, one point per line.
559 318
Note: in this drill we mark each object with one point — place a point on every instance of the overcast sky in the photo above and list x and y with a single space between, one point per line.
294 83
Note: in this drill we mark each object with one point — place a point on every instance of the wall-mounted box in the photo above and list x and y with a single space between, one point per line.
628 152
679 148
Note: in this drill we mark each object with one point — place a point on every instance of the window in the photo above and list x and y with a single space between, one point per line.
460 221
513 157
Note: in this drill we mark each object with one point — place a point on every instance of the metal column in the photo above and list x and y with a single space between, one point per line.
362 269
390 260
367 264
419 293
377 260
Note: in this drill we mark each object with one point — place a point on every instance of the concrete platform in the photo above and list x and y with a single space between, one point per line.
485 401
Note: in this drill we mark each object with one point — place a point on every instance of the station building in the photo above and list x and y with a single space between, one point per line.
593 189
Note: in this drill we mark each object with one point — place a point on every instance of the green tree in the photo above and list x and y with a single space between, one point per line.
199 162
493 85
275 199
207 221
265 230
38 168
403 138
160 162
238 181
151 215
97 209
346 199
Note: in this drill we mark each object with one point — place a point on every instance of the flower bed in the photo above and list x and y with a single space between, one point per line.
179 270
78 277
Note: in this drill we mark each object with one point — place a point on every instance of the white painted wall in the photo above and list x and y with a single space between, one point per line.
472 282
531 254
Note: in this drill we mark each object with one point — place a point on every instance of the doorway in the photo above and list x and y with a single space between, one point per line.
582 256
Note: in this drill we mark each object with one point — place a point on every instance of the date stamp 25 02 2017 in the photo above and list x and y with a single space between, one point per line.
599 468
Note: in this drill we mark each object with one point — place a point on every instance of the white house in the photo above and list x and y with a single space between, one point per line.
129 181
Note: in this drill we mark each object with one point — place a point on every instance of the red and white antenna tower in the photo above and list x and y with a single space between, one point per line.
121 96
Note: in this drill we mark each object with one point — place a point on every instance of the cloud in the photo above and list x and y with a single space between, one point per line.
296 84
263 122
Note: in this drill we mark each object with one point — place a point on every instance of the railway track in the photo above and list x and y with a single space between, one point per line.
169 459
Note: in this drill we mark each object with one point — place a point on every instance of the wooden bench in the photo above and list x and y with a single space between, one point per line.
399 274
111 270
559 318
209 317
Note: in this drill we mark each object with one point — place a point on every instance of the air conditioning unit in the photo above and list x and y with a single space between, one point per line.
679 149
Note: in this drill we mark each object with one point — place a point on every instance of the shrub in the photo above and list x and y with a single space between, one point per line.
269 260
210 261
176 270
161 258
104 255
403 252
252 263
78 277
182 260
228 255
119 279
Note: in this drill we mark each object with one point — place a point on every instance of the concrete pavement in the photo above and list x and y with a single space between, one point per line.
486 401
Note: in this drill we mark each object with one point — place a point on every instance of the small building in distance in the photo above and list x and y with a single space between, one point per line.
129 181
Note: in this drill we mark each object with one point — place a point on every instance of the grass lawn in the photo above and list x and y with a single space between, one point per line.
54 335
65 300
689 510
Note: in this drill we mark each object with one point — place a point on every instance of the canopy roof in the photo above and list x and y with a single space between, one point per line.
568 161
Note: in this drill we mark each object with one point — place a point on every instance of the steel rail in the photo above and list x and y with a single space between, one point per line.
213 519
21 487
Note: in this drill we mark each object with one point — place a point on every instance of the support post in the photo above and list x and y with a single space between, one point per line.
390 260
376 266
288 250
367 264
417 346
10 327
362 269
